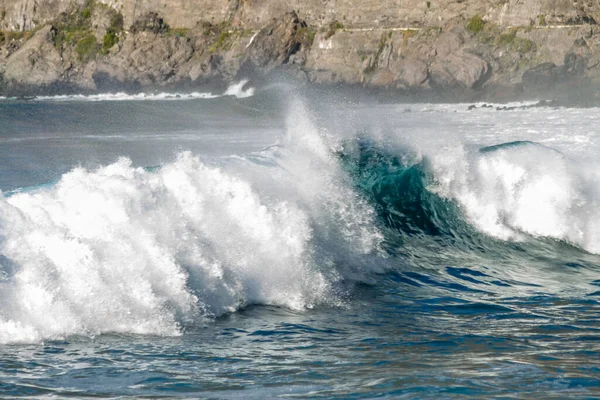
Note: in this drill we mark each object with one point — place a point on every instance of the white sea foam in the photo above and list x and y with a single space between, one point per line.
236 89
524 189
548 185
121 96
124 249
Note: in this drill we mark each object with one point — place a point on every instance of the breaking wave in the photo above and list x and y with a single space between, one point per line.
155 250
126 249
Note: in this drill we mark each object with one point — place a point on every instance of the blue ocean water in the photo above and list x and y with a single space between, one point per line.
297 246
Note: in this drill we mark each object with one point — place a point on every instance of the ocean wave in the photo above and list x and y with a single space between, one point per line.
153 250
122 96
524 188
511 191
126 249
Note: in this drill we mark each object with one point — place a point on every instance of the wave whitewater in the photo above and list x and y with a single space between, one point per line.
125 249
521 189
238 90
154 250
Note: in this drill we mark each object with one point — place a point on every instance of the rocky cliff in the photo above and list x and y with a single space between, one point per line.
466 47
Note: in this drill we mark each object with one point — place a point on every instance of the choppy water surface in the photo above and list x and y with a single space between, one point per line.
286 245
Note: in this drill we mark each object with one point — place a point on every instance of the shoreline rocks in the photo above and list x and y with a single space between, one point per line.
88 49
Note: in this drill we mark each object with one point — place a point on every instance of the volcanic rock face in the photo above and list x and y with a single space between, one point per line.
468 47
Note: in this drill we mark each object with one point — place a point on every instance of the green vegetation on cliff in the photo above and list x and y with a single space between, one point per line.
109 40
112 33
475 24
308 34
223 35
223 42
515 43
87 48
542 19
333 28
177 32
75 29
88 9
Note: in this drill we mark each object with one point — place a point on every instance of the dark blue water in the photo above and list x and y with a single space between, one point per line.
252 249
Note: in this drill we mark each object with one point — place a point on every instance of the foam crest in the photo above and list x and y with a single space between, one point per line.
126 249
524 188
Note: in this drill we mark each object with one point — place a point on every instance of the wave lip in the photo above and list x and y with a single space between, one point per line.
470 197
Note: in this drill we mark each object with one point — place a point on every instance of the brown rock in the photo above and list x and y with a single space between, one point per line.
152 59
277 42
383 77
448 43
37 62
412 73
460 70
150 22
